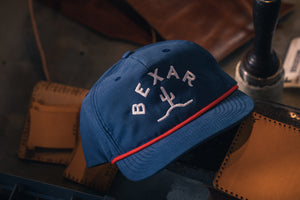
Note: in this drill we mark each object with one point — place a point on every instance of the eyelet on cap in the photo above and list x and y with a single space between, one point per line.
118 78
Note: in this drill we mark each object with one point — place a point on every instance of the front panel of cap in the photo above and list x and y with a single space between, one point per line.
156 88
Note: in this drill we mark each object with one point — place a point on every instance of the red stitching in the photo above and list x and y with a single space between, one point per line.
172 130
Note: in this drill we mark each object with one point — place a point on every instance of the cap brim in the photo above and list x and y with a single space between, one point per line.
152 159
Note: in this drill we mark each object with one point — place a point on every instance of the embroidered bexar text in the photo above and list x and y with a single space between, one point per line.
140 91
140 109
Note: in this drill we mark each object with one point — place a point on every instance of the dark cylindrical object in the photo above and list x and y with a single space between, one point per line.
260 74
262 61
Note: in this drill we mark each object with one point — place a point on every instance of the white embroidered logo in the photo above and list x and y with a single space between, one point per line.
140 109
166 97
155 76
140 91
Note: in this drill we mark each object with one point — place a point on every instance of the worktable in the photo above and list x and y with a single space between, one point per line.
78 56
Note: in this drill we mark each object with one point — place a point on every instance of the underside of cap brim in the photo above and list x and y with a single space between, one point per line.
155 157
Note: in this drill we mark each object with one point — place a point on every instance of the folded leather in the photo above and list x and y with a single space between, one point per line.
218 26
53 126
113 18
51 134
263 161
99 177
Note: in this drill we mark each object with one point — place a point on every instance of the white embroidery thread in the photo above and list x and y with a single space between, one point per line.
190 77
138 109
155 76
172 72
166 97
140 90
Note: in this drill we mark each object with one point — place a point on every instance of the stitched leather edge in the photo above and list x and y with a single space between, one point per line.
255 116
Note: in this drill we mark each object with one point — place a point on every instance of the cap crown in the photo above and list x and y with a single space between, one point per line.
147 93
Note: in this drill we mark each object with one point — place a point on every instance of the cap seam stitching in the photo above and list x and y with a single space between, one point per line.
213 61
99 116
111 138
136 59
143 146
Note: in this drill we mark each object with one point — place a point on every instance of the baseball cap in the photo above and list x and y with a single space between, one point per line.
155 104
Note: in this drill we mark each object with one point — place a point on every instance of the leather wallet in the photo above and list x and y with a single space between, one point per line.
51 134
218 26
51 127
263 159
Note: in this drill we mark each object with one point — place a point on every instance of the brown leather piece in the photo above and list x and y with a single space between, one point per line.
106 16
218 26
262 162
57 156
99 177
51 127
49 93
51 134
218 195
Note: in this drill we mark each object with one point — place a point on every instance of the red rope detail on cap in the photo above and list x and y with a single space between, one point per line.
172 130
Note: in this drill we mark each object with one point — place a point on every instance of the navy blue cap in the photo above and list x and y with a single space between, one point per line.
155 104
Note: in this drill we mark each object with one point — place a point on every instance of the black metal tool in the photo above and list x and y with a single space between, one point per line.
260 74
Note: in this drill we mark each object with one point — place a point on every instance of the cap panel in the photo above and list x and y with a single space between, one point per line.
155 157
146 94
150 54
179 84
97 147
96 142
177 127
114 98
